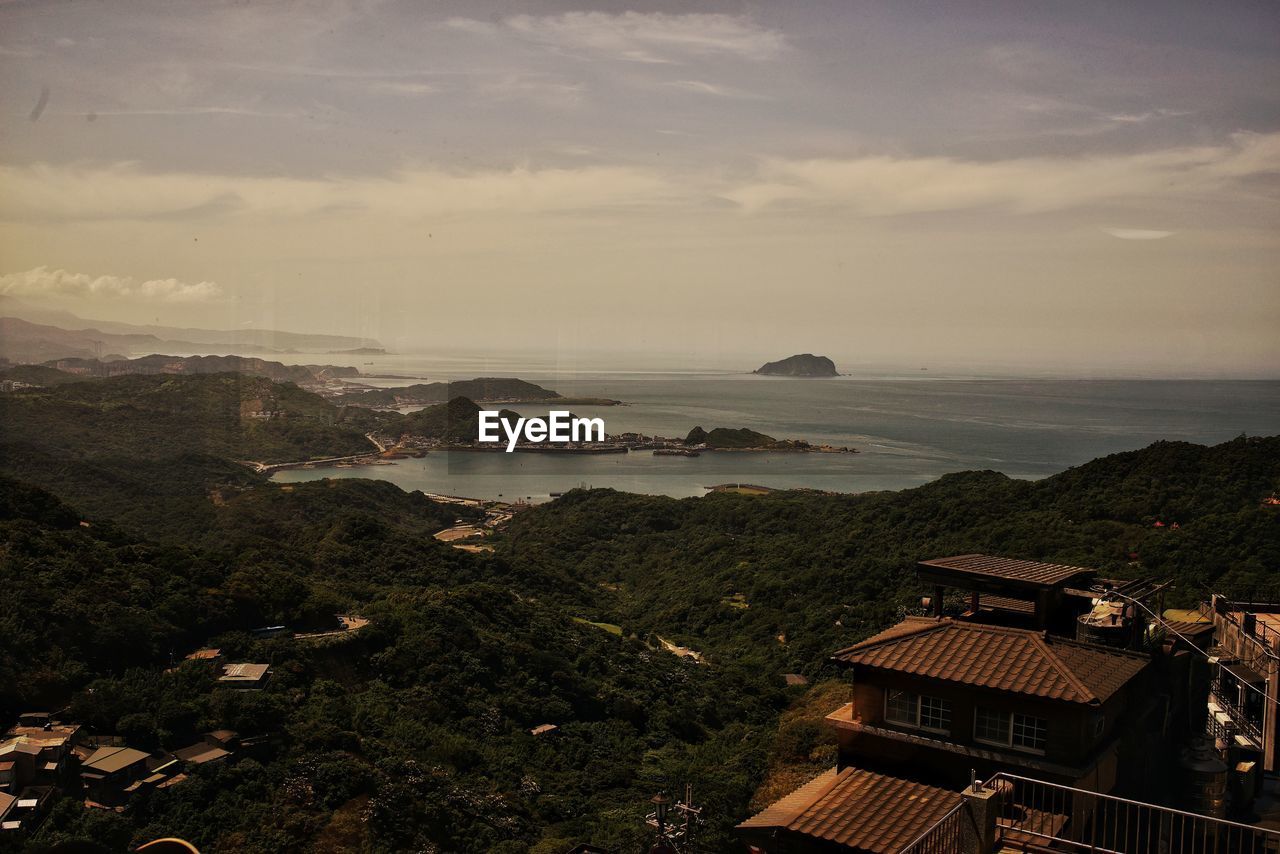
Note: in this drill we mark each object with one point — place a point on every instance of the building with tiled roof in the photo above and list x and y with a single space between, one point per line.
849 809
952 696
1017 661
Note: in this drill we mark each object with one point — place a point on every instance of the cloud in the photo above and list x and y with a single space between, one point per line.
535 88
1139 118
651 37
886 186
406 88
703 88
125 192
870 185
42 281
1138 233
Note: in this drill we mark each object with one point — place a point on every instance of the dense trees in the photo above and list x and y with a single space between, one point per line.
118 556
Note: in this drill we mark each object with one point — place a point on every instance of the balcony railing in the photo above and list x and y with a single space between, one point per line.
953 832
1036 815
1224 692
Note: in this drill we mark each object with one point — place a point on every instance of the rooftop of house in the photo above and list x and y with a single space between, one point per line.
860 810
51 734
200 753
1019 661
204 655
243 672
1025 572
21 745
108 760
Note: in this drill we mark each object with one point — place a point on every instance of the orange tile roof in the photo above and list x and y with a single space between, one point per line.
1033 572
1016 660
857 809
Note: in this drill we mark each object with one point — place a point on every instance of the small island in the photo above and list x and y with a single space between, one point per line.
802 365
743 439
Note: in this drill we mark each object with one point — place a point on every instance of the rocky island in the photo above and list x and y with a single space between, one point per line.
744 439
802 365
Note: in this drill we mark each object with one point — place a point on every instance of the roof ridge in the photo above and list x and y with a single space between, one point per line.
987 627
1042 641
927 624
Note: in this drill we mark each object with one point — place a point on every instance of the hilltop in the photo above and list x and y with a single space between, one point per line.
29 333
141 446
455 421
80 369
726 437
505 389
803 365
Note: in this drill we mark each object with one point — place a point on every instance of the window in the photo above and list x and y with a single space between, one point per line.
990 725
1025 732
914 710
1029 732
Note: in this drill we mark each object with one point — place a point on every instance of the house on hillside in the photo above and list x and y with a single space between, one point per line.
109 774
36 751
245 676
952 697
1001 687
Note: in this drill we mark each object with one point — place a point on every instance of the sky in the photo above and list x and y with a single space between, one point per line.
1086 188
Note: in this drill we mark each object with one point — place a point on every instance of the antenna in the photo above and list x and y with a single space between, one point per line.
678 832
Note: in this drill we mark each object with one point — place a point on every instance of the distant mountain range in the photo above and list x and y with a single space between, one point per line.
31 334
61 371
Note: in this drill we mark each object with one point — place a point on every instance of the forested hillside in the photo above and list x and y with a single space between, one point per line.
129 537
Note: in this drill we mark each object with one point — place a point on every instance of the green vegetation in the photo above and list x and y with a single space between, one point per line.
481 388
413 733
455 421
728 438
39 375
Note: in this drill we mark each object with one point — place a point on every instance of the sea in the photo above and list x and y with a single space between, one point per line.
908 428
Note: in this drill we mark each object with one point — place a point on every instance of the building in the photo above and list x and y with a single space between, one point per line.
247 676
109 774
1245 680
1072 601
213 655
214 746
954 696
849 809
25 812
1027 676
36 751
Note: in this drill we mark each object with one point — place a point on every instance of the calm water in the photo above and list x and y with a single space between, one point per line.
910 430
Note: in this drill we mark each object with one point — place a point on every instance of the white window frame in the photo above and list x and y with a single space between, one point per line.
1035 722
917 703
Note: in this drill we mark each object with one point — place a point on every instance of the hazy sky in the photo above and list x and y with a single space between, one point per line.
1074 186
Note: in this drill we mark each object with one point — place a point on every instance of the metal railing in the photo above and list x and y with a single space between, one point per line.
952 833
1036 816
1222 692
1263 636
